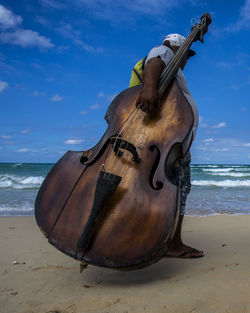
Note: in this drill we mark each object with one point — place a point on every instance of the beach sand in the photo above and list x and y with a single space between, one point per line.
35 277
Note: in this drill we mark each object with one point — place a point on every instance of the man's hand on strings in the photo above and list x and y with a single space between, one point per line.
148 100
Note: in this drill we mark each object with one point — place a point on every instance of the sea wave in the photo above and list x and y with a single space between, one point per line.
223 183
216 214
232 174
17 164
204 165
217 170
20 182
8 210
242 169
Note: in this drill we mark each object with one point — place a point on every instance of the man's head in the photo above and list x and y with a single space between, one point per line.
175 41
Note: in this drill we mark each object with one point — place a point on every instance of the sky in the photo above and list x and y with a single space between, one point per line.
62 63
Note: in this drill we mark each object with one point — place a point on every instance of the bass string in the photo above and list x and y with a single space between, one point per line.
170 67
167 68
180 53
126 124
179 56
121 129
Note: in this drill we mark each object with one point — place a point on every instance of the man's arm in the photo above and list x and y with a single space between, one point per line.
148 98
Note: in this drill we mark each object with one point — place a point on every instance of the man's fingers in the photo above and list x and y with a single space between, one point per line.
147 106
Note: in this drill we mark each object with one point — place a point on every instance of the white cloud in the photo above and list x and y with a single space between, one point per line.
120 11
53 4
50 79
3 85
37 66
73 141
56 98
12 33
202 123
8 19
25 131
221 149
109 7
84 112
43 21
220 125
235 87
221 145
96 106
108 98
224 65
203 148
26 38
22 150
109 10
75 35
5 67
243 21
6 137
101 95
209 140
246 144
37 93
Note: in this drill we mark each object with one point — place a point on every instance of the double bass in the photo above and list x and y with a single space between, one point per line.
117 204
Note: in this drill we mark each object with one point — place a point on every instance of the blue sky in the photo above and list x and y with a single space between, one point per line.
62 62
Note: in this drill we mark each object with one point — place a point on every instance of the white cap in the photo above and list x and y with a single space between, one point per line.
175 39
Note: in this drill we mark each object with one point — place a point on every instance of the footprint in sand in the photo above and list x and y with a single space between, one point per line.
233 264
209 269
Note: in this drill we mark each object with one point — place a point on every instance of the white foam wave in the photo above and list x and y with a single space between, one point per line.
20 182
232 174
13 209
216 214
242 169
22 210
204 166
217 170
17 164
32 180
223 183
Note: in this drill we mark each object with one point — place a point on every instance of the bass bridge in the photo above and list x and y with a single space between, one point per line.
119 143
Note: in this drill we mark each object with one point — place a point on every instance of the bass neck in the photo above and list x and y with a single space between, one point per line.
172 67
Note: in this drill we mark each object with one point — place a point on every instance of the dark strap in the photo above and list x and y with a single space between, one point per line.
143 63
138 75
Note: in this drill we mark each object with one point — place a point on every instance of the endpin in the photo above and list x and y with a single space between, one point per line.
83 265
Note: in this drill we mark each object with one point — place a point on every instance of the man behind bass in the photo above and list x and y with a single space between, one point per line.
148 100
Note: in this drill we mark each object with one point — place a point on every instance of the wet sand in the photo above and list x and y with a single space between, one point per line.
36 278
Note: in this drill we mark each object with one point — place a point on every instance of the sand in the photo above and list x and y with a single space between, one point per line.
35 277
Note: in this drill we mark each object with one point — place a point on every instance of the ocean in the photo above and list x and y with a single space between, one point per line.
216 189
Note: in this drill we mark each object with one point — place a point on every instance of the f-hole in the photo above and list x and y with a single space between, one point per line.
158 185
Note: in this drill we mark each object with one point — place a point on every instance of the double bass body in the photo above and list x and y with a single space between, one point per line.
138 221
